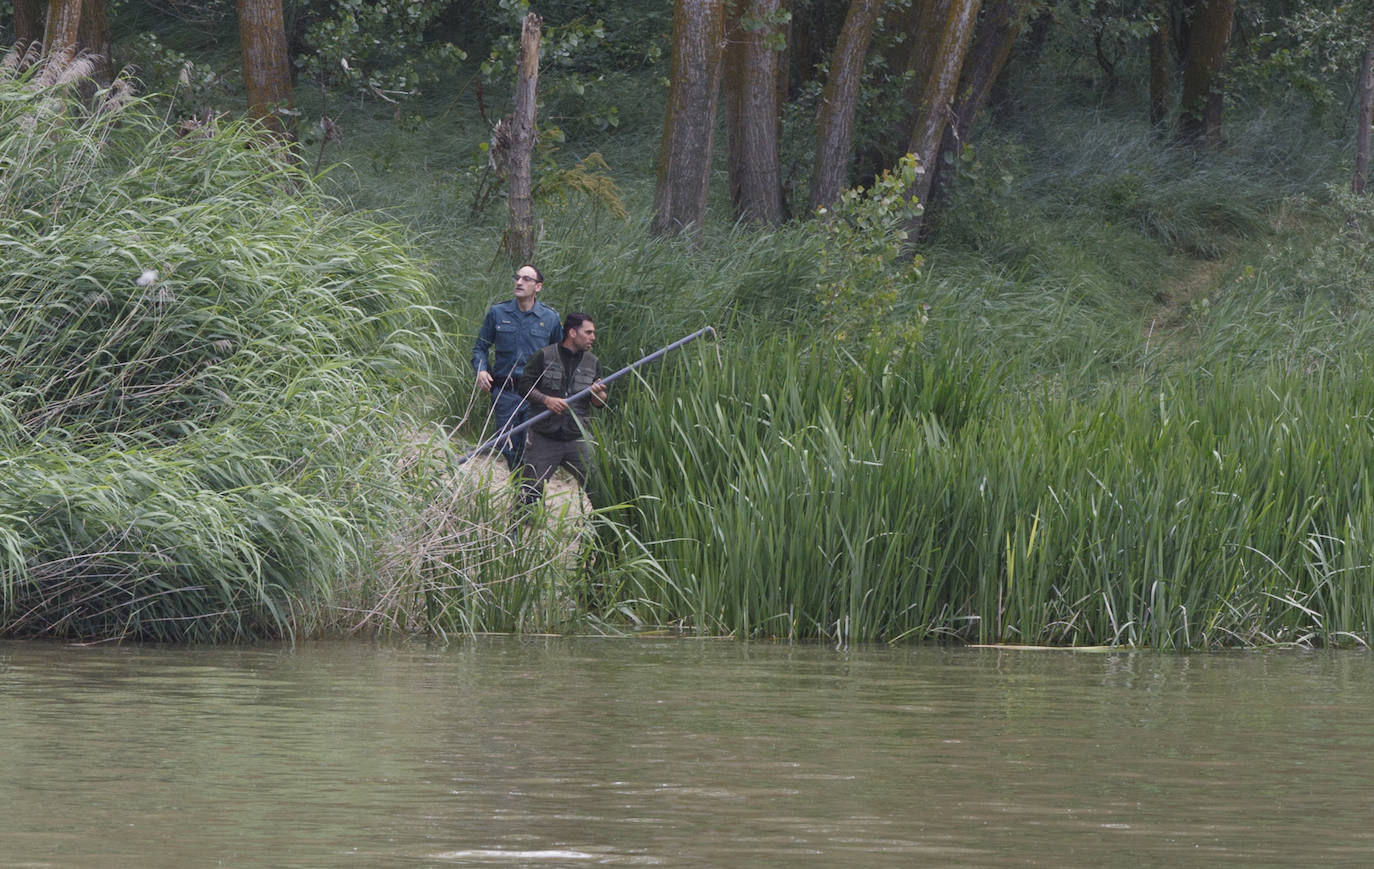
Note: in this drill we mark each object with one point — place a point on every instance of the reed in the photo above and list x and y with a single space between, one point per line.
889 497
204 368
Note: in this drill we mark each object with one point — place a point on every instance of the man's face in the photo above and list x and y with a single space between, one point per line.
583 337
527 283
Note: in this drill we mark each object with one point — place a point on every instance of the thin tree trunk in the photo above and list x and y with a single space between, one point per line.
751 113
61 36
784 61
840 101
1104 63
266 68
684 157
1201 102
1365 118
519 240
1161 68
784 91
939 93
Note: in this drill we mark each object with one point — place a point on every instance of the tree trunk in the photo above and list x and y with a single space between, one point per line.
1104 63
933 114
684 157
62 34
995 37
266 69
784 59
1365 118
519 240
784 92
922 24
1201 102
840 101
1161 79
751 113
93 35
29 19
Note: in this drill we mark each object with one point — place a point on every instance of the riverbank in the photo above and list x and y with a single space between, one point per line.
212 394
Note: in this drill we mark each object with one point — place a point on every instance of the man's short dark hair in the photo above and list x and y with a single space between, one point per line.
575 321
538 275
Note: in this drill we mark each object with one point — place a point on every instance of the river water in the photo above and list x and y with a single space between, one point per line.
681 752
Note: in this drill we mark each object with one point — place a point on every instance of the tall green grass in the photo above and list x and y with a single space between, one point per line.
1137 415
1073 455
205 369
886 497
1078 453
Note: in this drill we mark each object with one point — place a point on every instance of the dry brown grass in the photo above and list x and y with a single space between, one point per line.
465 538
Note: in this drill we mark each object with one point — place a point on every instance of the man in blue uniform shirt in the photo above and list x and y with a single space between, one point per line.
510 332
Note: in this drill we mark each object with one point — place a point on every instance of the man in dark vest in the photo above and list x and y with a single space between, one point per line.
510 332
552 374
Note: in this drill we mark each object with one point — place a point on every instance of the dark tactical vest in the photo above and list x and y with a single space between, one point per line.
557 380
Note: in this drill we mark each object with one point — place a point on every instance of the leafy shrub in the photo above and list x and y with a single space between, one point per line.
865 258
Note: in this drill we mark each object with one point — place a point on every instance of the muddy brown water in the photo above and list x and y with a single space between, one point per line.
681 752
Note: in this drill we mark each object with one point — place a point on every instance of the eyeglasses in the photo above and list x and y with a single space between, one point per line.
531 278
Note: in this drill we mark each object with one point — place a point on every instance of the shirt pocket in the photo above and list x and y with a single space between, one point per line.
505 343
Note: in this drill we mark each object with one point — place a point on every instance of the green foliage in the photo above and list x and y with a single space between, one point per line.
775 23
794 494
1308 49
591 36
385 50
1340 266
1105 32
864 257
573 89
646 292
203 373
1300 302
1115 170
192 88
778 478
590 178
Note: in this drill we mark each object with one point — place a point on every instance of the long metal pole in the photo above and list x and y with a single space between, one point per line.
496 438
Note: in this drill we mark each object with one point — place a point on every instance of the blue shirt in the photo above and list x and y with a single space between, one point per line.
509 335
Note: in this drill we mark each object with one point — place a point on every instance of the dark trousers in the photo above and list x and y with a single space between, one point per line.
509 409
543 456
